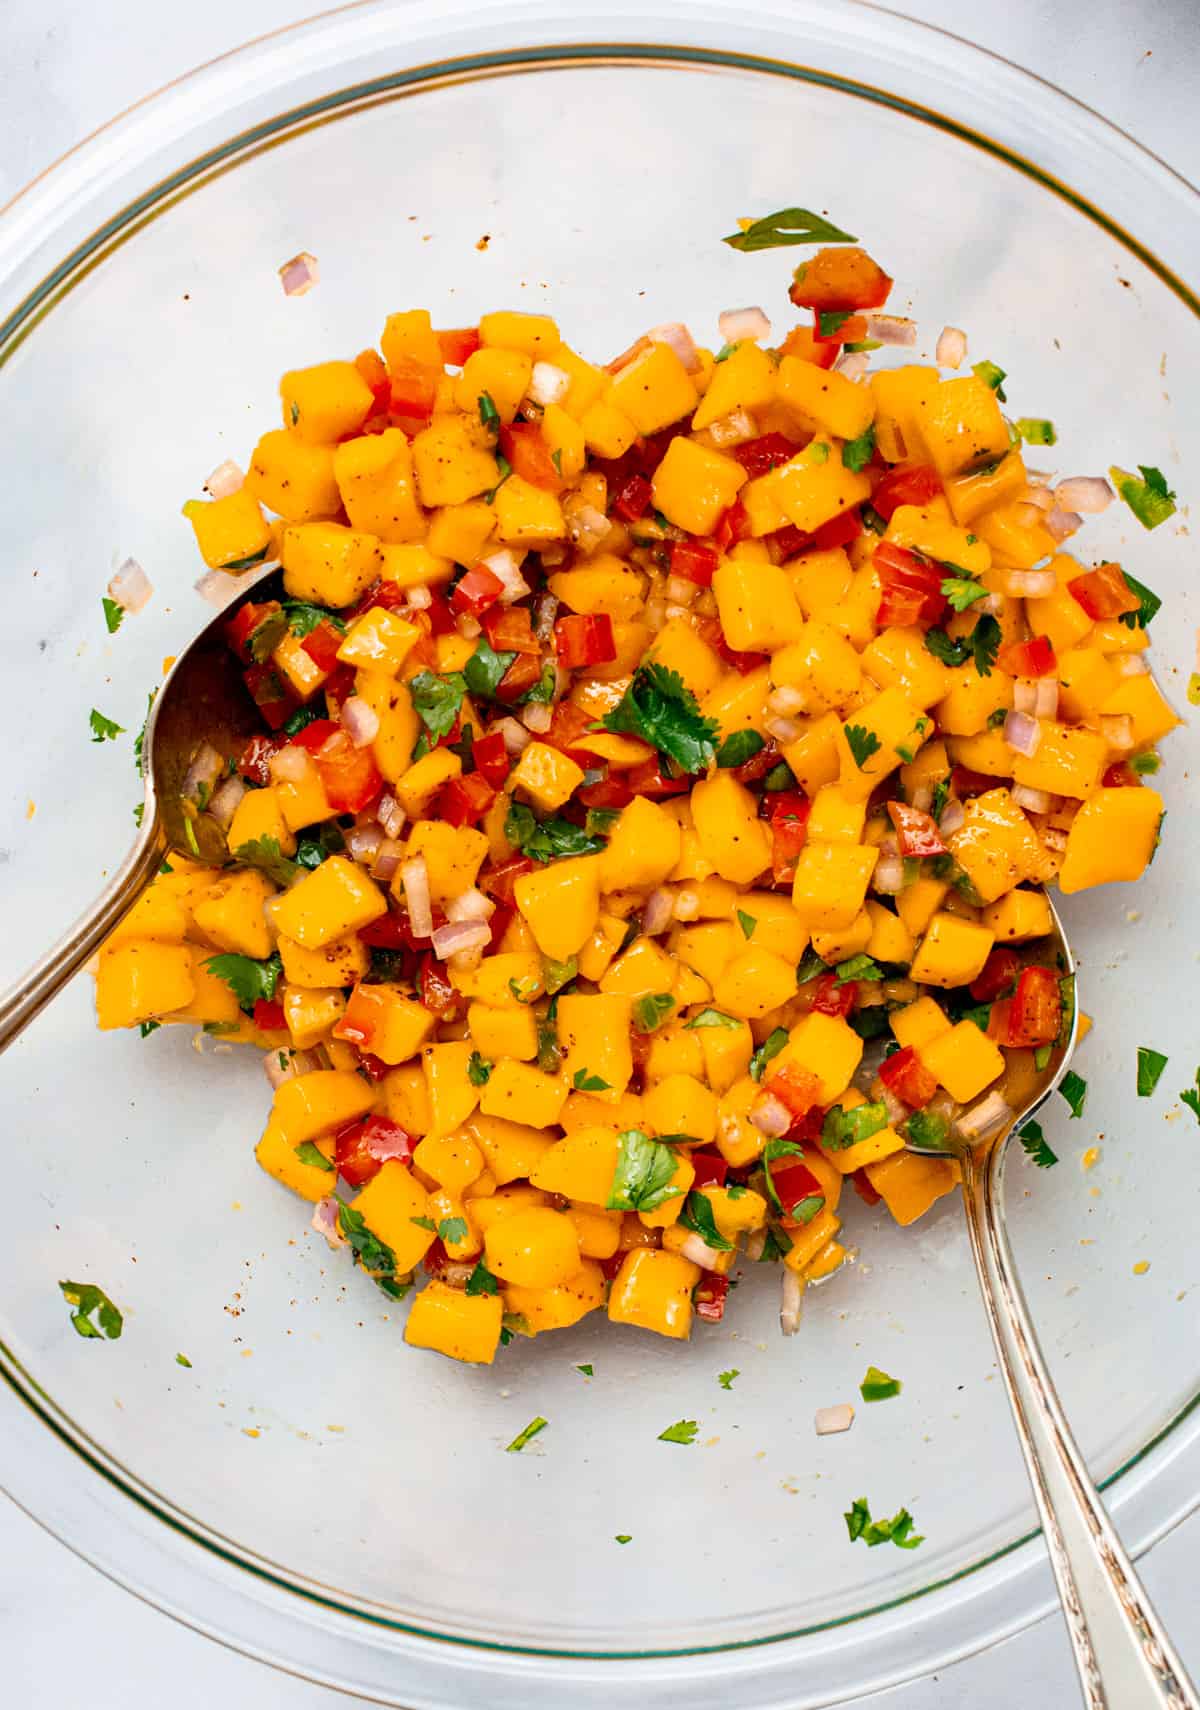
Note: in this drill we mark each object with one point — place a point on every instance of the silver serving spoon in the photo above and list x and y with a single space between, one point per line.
202 699
1125 1659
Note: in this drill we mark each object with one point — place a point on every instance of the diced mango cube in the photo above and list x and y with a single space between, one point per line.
831 882
964 1060
653 1290
450 1321
692 485
1113 836
952 952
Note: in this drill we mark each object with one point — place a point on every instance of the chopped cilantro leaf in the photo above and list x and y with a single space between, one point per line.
1035 430
531 1430
586 1370
425 1223
857 453
697 1215
831 321
898 1530
810 966
484 669
878 1386
303 618
249 980
87 1299
927 1128
504 469
747 922
786 227
725 1379
104 729
319 844
1140 619
861 742
683 1431
1150 1065
1034 1143
582 1081
311 1154
651 1011
114 615
962 591
369 1251
1150 499
779 778
600 821
481 1281
265 854
437 700
1192 1097
642 1179
860 967
712 1018
1074 1089
738 747
660 708
182 1360
623 1537
452 1230
771 1046
992 376
547 839
489 415
843 1128
148 1027
478 1069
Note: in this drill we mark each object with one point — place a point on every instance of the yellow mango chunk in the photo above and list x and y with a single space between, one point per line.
692 485
681 1104
653 1289
812 489
140 981
561 903
458 533
450 464
310 1011
379 641
733 838
512 1150
995 846
450 1321
744 381
527 515
899 659
890 939
964 1060
831 882
232 917
292 477
1143 702
960 424
375 478
809 1240
827 1047
643 848
566 1303
593 1034
325 402
502 374
898 391
826 401
919 1022
545 775
821 664
326 564
534 1249
952 952
727 1052
924 530
654 390
814 756
607 584
451 1092
1067 762
1112 837
580 1166
336 898
512 329
754 983
909 1184
508 1032
757 606
889 731
524 1094
232 532
277 1155
836 817
607 431
1018 917
258 814
317 1103
407 337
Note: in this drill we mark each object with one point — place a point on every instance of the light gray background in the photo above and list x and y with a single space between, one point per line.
69 1638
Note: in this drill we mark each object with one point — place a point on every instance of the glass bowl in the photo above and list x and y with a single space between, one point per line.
309 1489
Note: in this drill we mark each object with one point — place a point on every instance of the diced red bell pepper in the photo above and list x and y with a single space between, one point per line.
794 1182
350 775
361 1016
997 1027
1036 1013
582 641
314 736
631 498
998 975
916 832
800 342
393 931
268 1014
389 595
759 456
322 643
413 389
439 615
1104 593
789 812
844 277
849 329
611 791
1119 776
612 1264
362 1147
437 994
510 630
919 485
790 541
964 781
839 530
758 765
808 1126
709 630
732 525
475 591
1034 658
339 686
497 878
270 694
711 1169
567 724
491 757
241 626
436 1259
831 998
709 1296
906 1078
373 369
526 449
465 800
648 779
457 345
861 1183
695 561
502 918
253 760
912 587
797 1088
522 675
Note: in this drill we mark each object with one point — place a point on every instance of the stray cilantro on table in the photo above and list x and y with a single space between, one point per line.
1150 499
878 1386
740 746
660 708
249 980
582 1081
624 1537
478 1069
861 742
1034 1142
771 1046
182 1360
586 1371
1036 430
531 1430
898 1530
145 1028
857 453
651 1011
104 729
87 1300
683 1431
1074 1089
725 1379
114 615
712 1018
643 1176
547 839
1191 1097
311 1154
265 854
786 227
1150 1065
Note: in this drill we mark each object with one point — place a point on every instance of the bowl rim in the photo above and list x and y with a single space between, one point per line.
30 219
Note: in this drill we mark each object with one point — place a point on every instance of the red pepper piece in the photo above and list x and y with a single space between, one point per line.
1033 658
1104 593
491 757
912 587
695 561
582 641
268 1014
918 485
916 832
906 1078
998 976
1036 1013
457 345
476 591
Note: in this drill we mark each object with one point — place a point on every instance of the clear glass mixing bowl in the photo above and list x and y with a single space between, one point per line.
372 1533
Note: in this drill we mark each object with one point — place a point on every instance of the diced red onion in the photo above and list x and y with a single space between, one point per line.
360 721
506 566
545 611
736 324
1129 665
456 1275
695 1248
1022 733
771 1116
470 904
586 526
537 716
827 1421
363 843
206 767
548 384
654 615
658 913
954 816
390 815
285 1065
897 1110
218 587
951 347
1117 731
853 364
1039 495
786 700
680 592
131 588
1033 801
888 877
992 604
687 905
1047 697
675 334
1061 525
1089 494
1054 838
1027 514
784 730
892 329
387 860
466 961
756 1245
458 936
290 765
985 1118
299 274
1025 694
225 799
1027 584
225 479
922 797
791 1302
468 626
414 876
734 429
420 599
325 1221
516 737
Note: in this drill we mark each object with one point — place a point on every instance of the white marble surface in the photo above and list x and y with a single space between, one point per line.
69 1638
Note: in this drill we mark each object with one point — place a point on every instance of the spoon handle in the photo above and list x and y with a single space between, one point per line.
33 991
1125 1659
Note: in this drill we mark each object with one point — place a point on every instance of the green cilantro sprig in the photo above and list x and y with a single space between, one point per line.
547 839
861 742
642 1179
104 729
1034 1143
878 1386
527 1435
683 1431
88 1300
898 1530
787 227
1150 1065
660 708
1150 499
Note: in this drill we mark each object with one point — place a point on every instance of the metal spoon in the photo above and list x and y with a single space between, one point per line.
1125 1659
202 699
